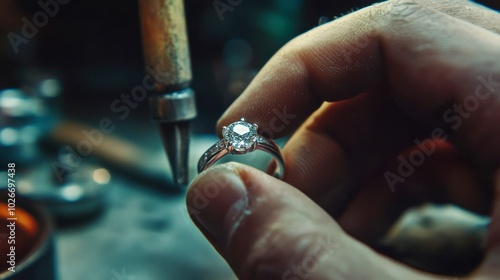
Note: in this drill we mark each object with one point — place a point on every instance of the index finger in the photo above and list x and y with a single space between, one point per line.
293 84
429 59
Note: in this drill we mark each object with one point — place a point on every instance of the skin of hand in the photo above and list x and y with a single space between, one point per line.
362 94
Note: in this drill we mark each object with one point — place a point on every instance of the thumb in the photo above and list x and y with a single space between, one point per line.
267 229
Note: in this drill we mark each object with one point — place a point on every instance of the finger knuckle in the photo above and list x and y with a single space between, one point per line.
382 16
398 11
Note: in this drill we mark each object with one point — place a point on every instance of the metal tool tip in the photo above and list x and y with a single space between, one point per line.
181 181
176 142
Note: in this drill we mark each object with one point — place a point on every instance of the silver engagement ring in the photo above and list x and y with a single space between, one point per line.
240 138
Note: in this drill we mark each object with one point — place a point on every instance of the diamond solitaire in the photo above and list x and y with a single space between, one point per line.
240 138
240 135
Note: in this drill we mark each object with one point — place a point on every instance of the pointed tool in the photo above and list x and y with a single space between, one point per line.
172 102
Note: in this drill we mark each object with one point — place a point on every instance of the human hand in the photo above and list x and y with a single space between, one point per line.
363 92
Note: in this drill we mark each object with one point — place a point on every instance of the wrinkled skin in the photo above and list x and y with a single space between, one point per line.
357 93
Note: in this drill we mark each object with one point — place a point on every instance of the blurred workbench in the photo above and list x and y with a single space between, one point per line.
143 234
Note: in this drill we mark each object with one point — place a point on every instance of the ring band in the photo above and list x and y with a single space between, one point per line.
240 138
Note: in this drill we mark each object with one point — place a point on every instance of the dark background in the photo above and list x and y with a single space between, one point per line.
95 49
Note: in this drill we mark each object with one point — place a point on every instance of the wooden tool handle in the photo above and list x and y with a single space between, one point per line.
165 42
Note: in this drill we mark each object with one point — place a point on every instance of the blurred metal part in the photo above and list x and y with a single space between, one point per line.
26 114
15 103
78 196
75 200
173 107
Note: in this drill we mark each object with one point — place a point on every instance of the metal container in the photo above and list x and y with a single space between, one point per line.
34 244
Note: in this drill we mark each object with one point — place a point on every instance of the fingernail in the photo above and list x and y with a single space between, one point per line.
217 201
